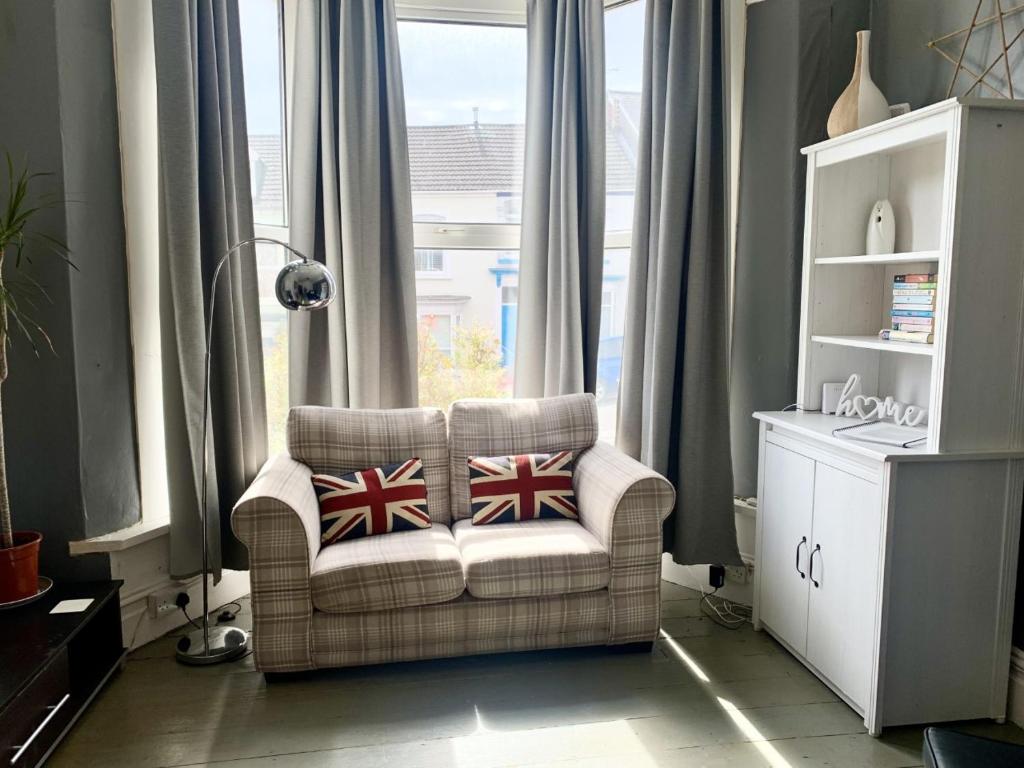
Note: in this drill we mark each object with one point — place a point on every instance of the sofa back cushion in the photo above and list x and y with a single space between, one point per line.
336 441
510 427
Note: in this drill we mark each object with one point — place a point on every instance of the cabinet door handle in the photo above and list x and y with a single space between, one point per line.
802 542
817 549
54 709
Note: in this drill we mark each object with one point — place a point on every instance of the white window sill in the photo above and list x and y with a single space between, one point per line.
125 538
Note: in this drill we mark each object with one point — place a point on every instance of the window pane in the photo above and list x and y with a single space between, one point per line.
429 260
264 108
465 101
274 330
467 321
624 39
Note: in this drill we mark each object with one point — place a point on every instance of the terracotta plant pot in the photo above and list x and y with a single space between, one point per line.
19 567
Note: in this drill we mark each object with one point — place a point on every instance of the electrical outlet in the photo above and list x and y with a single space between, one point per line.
163 602
739 574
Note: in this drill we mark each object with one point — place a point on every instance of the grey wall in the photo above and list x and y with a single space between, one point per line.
99 289
906 70
70 439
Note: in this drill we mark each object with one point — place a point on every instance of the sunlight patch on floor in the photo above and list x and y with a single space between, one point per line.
757 739
684 657
611 739
747 728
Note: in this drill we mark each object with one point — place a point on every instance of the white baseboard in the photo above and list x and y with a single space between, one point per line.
138 627
143 564
1015 706
695 577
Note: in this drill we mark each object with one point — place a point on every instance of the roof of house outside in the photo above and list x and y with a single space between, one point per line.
265 168
468 157
489 157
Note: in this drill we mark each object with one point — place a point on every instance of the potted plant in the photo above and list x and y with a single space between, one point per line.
19 550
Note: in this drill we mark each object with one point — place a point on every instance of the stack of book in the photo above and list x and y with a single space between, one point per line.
913 309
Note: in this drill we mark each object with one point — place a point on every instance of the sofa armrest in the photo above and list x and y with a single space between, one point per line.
278 519
623 504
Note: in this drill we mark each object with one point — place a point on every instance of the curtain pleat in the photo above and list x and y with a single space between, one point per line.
673 404
351 208
205 208
562 243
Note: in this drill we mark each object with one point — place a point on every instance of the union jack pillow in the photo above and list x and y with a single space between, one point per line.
372 501
507 489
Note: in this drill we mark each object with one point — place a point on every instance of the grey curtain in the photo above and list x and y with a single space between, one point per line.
562 243
205 207
673 406
798 60
351 208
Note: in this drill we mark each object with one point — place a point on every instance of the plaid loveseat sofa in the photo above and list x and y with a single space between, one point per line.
454 588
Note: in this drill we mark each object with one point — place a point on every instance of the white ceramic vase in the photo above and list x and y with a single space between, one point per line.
861 103
881 233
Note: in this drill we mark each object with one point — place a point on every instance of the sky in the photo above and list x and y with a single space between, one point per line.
447 68
261 66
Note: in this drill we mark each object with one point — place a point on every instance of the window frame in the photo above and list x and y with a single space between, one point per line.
505 13
476 236
460 235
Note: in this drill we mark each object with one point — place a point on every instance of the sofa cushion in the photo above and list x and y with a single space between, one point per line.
372 502
511 427
335 441
533 486
378 573
539 557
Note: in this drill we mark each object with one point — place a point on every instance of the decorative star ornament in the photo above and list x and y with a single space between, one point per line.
960 61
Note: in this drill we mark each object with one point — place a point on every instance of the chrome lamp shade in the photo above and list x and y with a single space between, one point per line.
304 285
301 285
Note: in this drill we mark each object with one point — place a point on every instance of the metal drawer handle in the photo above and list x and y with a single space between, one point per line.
54 709
817 549
802 542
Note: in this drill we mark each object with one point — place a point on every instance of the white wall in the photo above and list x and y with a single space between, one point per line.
135 71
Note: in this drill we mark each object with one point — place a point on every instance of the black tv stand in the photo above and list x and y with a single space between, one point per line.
52 665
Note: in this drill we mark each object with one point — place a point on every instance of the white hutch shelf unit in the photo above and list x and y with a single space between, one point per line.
907 611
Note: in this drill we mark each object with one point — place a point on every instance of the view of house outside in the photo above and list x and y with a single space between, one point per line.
465 88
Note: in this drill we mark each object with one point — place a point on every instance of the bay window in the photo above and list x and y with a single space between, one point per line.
464 72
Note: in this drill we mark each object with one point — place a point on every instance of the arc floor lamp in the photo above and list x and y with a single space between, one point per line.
302 285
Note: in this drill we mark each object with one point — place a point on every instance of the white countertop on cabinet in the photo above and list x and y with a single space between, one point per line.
819 426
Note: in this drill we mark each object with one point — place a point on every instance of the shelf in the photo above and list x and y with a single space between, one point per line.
882 258
873 342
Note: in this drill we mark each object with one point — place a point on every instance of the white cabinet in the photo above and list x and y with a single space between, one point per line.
786 506
890 572
843 578
819 564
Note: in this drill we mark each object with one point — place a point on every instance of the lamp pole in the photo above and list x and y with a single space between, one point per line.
301 285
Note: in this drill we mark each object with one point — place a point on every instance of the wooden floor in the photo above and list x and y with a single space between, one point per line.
707 696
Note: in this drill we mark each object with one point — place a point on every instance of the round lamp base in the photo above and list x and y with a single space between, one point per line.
226 644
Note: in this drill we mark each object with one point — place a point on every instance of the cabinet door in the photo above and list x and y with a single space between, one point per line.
787 499
844 580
